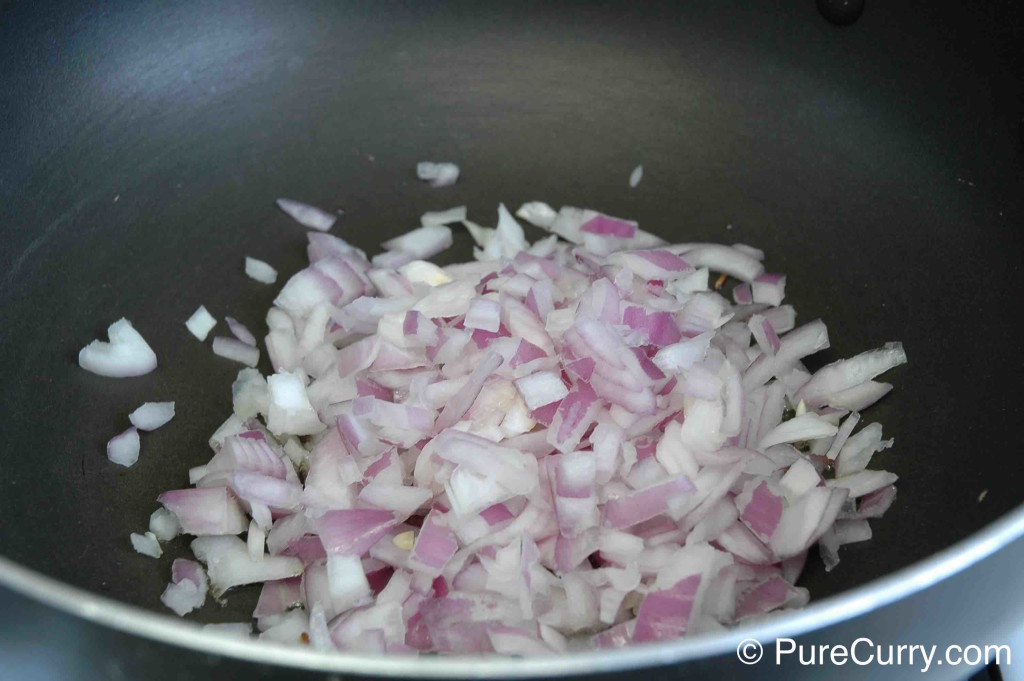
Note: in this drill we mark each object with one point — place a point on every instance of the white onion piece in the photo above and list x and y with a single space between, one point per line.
800 478
306 215
200 323
250 394
346 581
849 373
481 235
505 240
856 452
438 174
123 449
255 541
636 176
483 314
538 213
291 628
195 474
725 259
164 525
443 217
290 411
769 288
188 587
862 482
152 415
240 331
421 272
146 544
260 271
421 243
859 397
236 350
540 389
125 354
228 563
807 427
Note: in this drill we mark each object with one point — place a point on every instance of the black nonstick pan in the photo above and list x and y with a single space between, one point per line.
142 145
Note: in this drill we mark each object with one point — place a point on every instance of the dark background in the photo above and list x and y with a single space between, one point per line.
142 145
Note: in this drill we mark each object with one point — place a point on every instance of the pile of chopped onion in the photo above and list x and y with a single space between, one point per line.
574 443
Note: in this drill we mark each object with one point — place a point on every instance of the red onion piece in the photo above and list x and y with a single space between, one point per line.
188 587
207 511
236 350
240 331
645 504
353 531
666 614
558 440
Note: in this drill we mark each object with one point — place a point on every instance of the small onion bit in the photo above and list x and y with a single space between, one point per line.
240 331
152 415
260 271
123 449
307 215
579 439
636 176
125 354
200 323
437 174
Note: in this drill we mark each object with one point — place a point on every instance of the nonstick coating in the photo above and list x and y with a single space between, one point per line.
142 145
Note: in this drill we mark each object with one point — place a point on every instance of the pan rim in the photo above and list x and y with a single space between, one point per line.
831 610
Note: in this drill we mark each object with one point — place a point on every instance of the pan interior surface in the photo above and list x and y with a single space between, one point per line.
143 145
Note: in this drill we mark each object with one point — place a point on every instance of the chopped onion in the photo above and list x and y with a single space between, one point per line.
290 411
146 544
769 288
636 176
306 215
228 563
438 174
126 353
558 444
201 323
443 217
152 415
540 389
188 587
236 350
260 271
421 272
240 331
421 243
164 525
123 449
847 374
205 511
